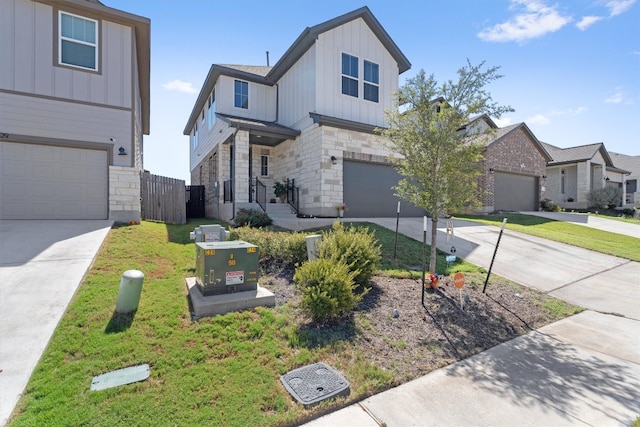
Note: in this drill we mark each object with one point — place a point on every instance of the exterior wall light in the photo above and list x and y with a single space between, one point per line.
492 171
122 151
334 160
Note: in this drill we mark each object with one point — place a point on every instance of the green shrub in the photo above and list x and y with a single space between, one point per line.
548 205
275 248
251 218
603 198
356 247
328 289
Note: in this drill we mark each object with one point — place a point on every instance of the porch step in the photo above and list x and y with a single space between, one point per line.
280 211
283 216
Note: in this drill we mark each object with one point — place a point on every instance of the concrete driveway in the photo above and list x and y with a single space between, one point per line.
41 265
591 280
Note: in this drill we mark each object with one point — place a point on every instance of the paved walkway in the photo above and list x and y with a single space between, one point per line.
582 370
593 221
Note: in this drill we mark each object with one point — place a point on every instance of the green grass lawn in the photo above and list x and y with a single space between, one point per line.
222 370
585 237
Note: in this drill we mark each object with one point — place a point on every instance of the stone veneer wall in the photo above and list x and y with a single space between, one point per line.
514 153
308 161
124 194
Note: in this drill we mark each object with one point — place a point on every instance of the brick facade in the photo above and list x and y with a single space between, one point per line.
515 153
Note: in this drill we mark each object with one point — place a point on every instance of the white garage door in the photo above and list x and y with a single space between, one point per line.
47 182
515 192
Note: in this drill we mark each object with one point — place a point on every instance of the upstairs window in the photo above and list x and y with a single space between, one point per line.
194 138
371 81
211 111
350 75
241 94
78 41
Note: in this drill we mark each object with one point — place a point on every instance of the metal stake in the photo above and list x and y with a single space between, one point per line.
504 221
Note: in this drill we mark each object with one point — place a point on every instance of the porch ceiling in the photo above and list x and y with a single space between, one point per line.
261 132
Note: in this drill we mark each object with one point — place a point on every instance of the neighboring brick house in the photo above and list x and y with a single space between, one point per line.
514 167
576 171
74 100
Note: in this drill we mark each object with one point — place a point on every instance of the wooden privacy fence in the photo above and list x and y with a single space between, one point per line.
163 199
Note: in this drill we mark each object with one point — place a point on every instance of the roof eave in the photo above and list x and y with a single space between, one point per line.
310 34
215 71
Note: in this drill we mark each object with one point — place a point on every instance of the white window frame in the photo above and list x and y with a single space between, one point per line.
264 165
194 139
370 82
351 77
62 38
211 111
234 94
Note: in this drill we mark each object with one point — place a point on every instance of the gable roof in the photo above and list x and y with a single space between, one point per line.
504 131
270 75
141 29
630 163
310 34
581 153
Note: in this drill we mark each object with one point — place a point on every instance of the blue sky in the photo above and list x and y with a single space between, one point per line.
571 69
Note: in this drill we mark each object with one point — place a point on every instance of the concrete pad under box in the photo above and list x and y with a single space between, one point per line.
221 304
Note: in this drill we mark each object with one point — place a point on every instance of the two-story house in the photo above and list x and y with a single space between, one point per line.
74 106
310 118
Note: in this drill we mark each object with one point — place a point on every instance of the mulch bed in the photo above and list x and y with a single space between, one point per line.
420 339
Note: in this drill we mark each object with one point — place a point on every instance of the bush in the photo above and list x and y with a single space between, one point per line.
603 198
275 248
252 218
328 289
355 247
548 205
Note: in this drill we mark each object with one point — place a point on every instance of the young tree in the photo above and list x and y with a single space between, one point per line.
439 163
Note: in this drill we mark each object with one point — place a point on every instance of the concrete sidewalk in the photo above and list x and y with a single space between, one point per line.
41 265
560 375
583 370
592 221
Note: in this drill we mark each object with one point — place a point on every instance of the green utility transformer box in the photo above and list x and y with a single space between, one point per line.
226 267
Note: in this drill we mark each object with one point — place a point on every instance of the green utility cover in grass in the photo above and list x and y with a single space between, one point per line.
124 376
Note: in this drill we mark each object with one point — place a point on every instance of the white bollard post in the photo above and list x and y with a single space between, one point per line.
129 293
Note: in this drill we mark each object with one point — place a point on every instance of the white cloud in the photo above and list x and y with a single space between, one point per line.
180 86
536 20
616 7
505 121
588 21
616 98
538 119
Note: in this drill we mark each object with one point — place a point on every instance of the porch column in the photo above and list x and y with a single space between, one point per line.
241 169
584 182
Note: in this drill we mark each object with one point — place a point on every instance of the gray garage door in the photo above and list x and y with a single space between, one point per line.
515 192
47 182
368 191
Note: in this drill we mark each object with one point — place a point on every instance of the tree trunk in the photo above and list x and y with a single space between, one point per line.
434 250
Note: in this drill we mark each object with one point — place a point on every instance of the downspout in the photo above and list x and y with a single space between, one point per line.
277 101
233 175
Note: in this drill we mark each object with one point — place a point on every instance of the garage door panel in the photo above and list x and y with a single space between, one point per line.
515 192
368 191
51 182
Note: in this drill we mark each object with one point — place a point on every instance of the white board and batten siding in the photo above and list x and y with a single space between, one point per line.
298 89
42 99
262 100
314 82
354 38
